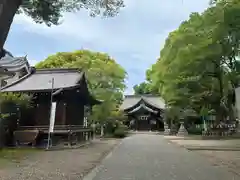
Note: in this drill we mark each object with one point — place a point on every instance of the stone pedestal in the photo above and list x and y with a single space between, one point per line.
182 130
166 129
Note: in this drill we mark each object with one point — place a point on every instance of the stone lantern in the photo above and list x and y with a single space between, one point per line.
182 130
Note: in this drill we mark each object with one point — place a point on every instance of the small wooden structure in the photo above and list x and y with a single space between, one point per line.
66 87
145 112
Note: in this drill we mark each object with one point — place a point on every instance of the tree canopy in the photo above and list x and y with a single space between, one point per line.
106 78
198 67
142 88
51 11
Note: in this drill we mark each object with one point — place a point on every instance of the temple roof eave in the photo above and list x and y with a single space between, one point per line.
142 106
131 102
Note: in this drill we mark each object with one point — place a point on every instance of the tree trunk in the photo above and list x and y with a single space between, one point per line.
8 9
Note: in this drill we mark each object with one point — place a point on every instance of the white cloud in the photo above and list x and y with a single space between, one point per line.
135 27
133 38
33 62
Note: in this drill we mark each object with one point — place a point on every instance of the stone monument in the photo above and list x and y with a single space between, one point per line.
166 129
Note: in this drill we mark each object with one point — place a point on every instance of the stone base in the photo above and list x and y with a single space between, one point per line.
167 132
182 131
182 134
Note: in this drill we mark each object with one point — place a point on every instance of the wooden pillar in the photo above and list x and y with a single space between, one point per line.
67 113
64 113
137 119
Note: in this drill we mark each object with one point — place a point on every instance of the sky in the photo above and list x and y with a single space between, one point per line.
134 38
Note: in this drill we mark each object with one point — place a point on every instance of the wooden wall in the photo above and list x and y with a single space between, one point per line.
74 113
69 110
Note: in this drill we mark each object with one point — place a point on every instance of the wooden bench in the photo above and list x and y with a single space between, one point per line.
69 133
26 137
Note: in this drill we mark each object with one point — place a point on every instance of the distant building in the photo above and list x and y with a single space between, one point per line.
17 67
145 112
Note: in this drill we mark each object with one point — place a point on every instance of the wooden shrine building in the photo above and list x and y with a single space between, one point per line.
145 112
69 90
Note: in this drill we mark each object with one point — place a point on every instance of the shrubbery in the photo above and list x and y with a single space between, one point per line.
121 131
194 130
112 128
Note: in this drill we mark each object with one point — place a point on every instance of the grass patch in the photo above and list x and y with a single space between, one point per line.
15 155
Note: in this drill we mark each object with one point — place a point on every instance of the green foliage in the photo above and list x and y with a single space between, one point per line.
16 98
9 102
194 130
106 78
121 132
198 66
111 125
142 88
51 11
146 87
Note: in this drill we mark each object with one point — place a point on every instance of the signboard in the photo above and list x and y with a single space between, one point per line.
85 121
143 117
52 116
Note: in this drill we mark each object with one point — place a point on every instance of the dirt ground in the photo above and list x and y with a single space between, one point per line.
196 142
69 164
208 148
229 159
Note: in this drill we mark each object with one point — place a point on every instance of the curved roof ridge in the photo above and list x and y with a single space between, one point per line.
57 70
132 100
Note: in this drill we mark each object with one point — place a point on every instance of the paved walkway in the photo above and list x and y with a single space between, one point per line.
151 157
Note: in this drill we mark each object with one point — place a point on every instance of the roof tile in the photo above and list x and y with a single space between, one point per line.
131 100
41 80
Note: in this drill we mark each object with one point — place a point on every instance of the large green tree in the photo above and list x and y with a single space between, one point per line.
50 11
198 66
142 88
106 78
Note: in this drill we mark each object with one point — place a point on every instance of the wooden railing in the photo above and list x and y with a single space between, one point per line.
57 128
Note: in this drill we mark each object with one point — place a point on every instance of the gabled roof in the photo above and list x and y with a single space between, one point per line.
142 106
5 72
132 100
41 80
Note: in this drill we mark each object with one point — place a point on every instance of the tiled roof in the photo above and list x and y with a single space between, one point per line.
142 106
41 80
5 72
131 100
10 62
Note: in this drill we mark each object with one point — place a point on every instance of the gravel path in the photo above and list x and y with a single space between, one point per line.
59 165
151 157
